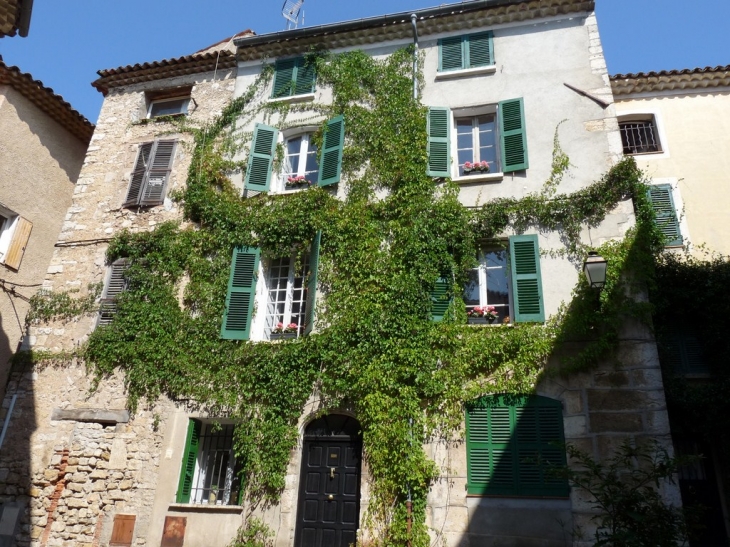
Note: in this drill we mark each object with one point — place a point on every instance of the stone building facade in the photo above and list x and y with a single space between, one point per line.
98 476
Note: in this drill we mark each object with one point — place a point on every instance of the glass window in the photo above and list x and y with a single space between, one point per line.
476 144
488 284
286 297
639 137
301 168
215 480
169 107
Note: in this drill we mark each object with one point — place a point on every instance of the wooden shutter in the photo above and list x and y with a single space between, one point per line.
312 283
513 136
683 353
330 163
660 196
190 455
512 442
18 243
123 530
526 280
451 53
241 294
158 173
115 284
440 300
303 77
138 174
261 158
283 78
439 158
480 50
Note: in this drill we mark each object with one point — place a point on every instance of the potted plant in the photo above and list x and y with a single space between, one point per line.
297 181
476 167
481 315
284 332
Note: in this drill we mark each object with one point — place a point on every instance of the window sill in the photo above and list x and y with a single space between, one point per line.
292 98
204 507
488 177
466 72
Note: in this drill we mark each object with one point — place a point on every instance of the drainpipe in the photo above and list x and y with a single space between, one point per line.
414 18
409 501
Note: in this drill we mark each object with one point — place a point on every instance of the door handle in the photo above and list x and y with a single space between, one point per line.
332 472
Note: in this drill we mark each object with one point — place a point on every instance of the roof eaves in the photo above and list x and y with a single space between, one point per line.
669 80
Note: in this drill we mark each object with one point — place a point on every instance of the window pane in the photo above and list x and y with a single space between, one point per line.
497 282
312 167
487 141
471 289
464 142
167 108
293 150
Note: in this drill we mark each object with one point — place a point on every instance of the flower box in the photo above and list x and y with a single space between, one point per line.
480 321
282 335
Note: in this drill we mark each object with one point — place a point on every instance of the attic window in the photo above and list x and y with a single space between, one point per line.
168 102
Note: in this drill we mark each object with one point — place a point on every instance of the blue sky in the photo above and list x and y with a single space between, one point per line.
70 40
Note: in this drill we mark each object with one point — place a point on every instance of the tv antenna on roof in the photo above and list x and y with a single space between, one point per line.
291 12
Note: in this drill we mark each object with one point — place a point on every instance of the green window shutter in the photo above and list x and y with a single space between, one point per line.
513 136
440 300
480 49
261 158
330 163
439 158
526 280
451 53
158 173
312 283
512 441
284 73
666 215
241 294
116 284
303 77
190 454
138 174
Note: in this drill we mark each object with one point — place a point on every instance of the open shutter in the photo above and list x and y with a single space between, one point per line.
439 159
190 454
512 135
283 78
440 300
158 173
303 77
330 163
312 283
241 294
666 215
18 243
116 283
261 158
480 50
526 279
138 174
451 53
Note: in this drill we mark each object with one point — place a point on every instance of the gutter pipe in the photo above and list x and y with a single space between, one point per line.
414 19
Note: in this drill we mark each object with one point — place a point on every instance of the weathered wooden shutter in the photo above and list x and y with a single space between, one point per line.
480 49
116 283
513 135
439 158
666 215
283 78
512 443
440 300
18 243
136 182
451 53
241 294
190 455
303 77
158 173
261 158
330 163
122 531
312 283
526 279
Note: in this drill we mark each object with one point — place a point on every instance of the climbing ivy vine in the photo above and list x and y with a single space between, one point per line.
375 351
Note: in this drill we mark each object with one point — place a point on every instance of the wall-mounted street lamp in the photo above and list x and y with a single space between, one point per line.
595 269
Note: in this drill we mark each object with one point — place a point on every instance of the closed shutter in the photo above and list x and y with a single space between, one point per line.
660 196
18 243
480 49
304 77
122 531
330 163
158 173
138 174
512 443
312 283
440 299
683 353
190 455
261 158
283 78
526 279
116 283
451 53
513 136
439 159
241 294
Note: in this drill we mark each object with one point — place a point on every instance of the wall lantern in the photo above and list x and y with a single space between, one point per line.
595 269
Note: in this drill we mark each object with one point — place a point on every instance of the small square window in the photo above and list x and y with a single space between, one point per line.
168 107
465 52
640 136
293 77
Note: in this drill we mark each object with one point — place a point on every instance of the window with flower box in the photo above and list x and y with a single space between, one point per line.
301 168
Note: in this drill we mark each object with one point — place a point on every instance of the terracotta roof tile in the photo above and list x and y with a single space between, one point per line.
15 17
679 79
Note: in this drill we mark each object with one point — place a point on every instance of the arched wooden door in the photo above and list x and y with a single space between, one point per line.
328 512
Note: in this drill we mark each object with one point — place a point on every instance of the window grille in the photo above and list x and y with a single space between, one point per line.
639 137
215 479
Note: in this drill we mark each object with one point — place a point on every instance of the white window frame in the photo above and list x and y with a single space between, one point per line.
280 180
482 279
201 495
647 114
183 108
474 112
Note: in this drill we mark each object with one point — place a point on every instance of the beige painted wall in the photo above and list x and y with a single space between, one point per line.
695 133
39 163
